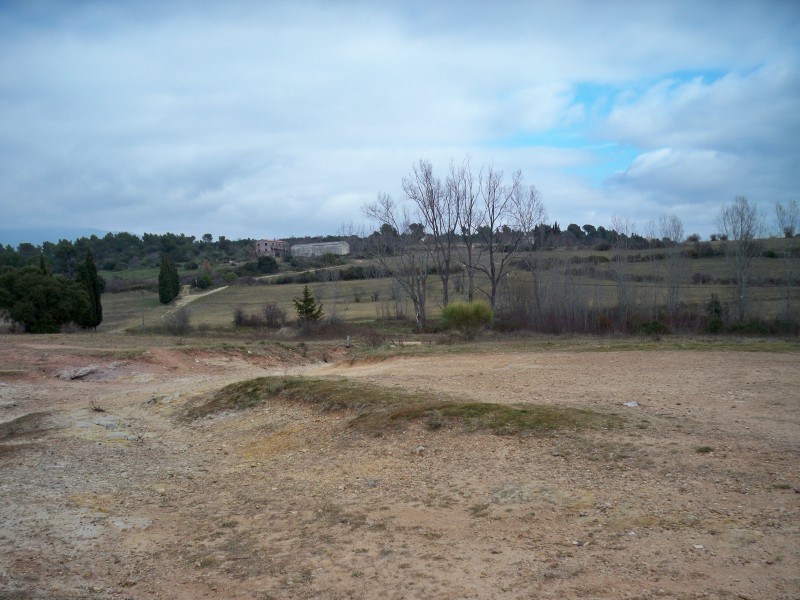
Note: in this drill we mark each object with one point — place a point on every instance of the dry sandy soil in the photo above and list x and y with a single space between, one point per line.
695 496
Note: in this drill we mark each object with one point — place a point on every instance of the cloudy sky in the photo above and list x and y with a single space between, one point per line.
275 119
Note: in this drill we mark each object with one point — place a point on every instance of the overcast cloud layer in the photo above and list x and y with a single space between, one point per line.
277 119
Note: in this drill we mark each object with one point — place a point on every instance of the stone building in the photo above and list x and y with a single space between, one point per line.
272 248
338 248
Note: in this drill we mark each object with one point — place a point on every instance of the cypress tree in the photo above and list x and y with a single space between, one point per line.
87 276
175 280
44 268
168 283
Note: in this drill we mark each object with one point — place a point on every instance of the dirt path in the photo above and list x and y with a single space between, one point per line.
186 298
694 497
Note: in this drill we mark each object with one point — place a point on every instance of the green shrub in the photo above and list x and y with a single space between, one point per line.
653 328
204 281
467 317
715 325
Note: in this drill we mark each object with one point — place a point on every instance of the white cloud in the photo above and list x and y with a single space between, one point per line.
755 110
283 118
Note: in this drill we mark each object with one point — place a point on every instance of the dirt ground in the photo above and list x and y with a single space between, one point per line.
105 494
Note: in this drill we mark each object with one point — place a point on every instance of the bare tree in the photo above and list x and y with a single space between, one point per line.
653 241
438 212
671 229
509 214
399 252
742 224
624 229
331 275
354 234
461 186
787 217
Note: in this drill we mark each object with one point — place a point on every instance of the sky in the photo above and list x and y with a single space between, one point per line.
283 119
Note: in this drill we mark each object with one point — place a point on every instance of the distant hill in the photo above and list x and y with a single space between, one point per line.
38 235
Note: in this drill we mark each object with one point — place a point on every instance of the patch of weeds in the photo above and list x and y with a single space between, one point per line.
335 515
704 449
306 575
479 510
207 562
434 420
782 486
229 524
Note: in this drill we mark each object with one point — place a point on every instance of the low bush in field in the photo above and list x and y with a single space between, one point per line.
271 317
467 317
654 328
178 322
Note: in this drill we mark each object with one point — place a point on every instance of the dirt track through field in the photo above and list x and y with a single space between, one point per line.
693 497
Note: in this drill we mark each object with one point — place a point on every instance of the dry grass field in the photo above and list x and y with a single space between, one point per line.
153 467
558 272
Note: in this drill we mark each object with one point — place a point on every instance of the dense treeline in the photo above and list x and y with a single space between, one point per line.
124 251
38 301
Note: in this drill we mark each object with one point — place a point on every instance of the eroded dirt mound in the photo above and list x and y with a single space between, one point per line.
109 495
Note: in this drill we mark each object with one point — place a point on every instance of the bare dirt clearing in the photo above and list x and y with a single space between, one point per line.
693 497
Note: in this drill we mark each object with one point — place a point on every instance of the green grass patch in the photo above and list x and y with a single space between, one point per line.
504 418
377 408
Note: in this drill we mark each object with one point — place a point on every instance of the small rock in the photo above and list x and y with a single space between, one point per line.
631 404
698 546
78 373
419 450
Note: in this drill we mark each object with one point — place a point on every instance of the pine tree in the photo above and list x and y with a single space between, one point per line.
169 284
308 309
88 278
